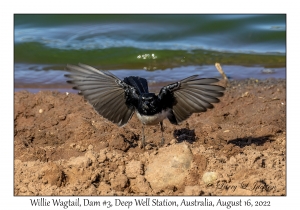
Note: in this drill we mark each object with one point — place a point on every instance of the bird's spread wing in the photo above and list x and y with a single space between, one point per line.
191 95
103 90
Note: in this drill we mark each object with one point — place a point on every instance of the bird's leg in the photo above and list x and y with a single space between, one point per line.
162 134
143 138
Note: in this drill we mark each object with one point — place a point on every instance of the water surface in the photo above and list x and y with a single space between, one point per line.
161 48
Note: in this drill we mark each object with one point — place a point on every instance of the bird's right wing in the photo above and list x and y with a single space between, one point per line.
191 95
103 90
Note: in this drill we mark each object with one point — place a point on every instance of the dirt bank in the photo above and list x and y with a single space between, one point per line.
62 147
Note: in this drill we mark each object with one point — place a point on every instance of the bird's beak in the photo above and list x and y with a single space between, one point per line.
146 105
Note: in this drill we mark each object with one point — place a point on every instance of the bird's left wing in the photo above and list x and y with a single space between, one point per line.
103 90
190 95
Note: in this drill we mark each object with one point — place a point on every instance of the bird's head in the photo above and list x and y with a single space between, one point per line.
148 104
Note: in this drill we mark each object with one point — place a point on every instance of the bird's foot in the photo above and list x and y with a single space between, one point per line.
143 144
162 142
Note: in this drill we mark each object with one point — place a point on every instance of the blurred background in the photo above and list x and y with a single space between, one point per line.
161 48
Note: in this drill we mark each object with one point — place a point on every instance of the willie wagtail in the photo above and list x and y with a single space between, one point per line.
117 99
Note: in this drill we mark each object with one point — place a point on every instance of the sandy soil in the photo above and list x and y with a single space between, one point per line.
62 147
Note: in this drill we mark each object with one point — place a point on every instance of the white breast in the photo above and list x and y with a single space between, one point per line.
153 119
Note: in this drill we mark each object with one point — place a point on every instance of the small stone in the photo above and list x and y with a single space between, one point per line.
173 141
72 145
23 190
147 147
62 117
80 148
209 177
102 156
41 111
91 155
79 162
245 94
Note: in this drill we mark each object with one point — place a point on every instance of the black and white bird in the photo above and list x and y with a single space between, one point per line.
117 100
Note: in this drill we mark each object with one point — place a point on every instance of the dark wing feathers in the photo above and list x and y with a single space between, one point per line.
102 91
195 95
